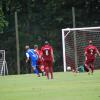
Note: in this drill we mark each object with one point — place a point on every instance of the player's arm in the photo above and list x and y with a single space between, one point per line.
52 54
40 54
85 53
98 52
27 57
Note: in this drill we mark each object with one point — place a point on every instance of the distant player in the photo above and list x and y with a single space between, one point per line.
90 56
48 57
30 53
40 59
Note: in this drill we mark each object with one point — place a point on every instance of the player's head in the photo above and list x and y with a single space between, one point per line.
46 42
90 42
35 46
27 47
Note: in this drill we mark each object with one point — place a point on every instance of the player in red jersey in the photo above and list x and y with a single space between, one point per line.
48 57
40 59
90 55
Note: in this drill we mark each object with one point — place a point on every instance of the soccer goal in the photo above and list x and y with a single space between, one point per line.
74 40
3 63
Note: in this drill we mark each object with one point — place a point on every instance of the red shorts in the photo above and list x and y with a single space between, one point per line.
89 61
48 66
89 64
48 63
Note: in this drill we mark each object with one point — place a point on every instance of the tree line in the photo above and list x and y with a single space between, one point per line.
40 20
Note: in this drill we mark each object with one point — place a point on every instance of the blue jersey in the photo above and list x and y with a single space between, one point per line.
34 57
32 54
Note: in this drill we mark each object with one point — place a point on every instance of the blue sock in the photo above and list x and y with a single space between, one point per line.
36 71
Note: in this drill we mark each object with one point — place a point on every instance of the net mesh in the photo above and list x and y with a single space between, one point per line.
1 59
82 38
3 64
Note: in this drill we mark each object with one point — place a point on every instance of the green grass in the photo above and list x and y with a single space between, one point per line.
64 86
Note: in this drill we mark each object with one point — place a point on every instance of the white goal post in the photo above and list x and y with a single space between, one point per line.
3 63
74 41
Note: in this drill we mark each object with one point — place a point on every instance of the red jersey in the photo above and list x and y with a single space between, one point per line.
39 52
47 51
90 52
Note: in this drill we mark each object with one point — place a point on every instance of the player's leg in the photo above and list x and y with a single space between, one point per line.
34 67
87 66
42 70
51 69
41 67
46 69
92 67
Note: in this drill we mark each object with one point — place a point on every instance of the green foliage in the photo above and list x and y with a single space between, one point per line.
40 20
3 22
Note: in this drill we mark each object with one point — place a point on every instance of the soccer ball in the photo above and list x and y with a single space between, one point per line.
69 68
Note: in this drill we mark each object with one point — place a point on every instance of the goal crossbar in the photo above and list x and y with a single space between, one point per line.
84 28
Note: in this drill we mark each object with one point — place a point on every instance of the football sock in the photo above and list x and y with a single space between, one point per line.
36 71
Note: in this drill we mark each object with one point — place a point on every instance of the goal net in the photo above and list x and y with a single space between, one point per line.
74 40
3 64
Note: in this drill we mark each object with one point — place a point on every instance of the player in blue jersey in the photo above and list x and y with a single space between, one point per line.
30 53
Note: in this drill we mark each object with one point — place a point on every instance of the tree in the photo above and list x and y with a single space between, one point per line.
3 22
40 20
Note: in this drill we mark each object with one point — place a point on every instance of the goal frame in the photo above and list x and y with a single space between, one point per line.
75 47
3 64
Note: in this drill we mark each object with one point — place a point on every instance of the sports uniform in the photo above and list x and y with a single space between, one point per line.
40 61
90 56
30 53
48 58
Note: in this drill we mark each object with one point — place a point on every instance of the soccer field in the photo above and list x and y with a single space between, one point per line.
64 86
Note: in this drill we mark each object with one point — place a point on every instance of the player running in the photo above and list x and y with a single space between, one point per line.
30 53
90 55
48 58
40 59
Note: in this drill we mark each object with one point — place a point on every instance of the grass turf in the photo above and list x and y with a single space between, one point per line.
64 86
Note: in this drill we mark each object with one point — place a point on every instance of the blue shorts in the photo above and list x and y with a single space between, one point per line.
34 64
34 61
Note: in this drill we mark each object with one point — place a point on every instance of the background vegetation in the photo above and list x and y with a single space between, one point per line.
40 20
